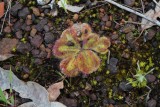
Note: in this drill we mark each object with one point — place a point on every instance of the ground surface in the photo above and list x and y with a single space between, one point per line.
33 32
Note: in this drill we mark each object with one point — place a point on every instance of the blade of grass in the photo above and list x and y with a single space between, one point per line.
2 97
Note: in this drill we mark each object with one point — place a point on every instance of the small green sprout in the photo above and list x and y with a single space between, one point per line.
139 79
10 100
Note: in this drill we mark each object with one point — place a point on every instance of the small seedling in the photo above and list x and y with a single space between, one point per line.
139 80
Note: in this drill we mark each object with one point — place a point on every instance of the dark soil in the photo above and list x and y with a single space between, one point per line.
36 31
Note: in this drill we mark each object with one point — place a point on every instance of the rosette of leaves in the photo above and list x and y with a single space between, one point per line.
78 47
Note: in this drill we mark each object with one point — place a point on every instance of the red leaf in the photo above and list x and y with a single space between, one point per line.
1 9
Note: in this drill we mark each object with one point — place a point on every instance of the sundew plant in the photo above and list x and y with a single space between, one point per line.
78 47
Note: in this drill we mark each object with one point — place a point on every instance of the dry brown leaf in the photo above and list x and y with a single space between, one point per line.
30 90
54 90
1 9
6 47
152 14
6 56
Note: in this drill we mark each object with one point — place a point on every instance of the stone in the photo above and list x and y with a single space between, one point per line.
124 86
27 28
88 87
25 69
23 13
125 54
24 47
41 24
33 32
38 61
7 29
25 76
15 8
93 97
98 78
36 11
113 61
42 54
129 2
49 37
46 28
23 27
151 103
35 52
151 33
19 34
7 44
28 22
42 47
17 26
36 41
112 67
150 78
108 23
114 36
75 17
130 37
29 17
133 16
128 28
105 18
68 102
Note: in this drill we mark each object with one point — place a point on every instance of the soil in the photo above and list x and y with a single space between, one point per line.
33 31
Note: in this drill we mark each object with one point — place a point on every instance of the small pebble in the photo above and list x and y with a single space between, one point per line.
33 32
151 33
49 37
128 28
108 23
24 47
23 13
7 29
36 41
152 103
129 2
25 76
38 61
36 11
93 97
75 17
28 22
124 86
105 18
150 78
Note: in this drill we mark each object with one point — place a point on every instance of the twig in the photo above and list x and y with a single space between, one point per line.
133 11
5 15
156 3
134 22
142 6
93 7
109 53
9 20
138 36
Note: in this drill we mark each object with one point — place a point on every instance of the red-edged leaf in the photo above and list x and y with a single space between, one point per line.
69 67
88 61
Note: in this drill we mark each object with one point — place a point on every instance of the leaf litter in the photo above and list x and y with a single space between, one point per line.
30 90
